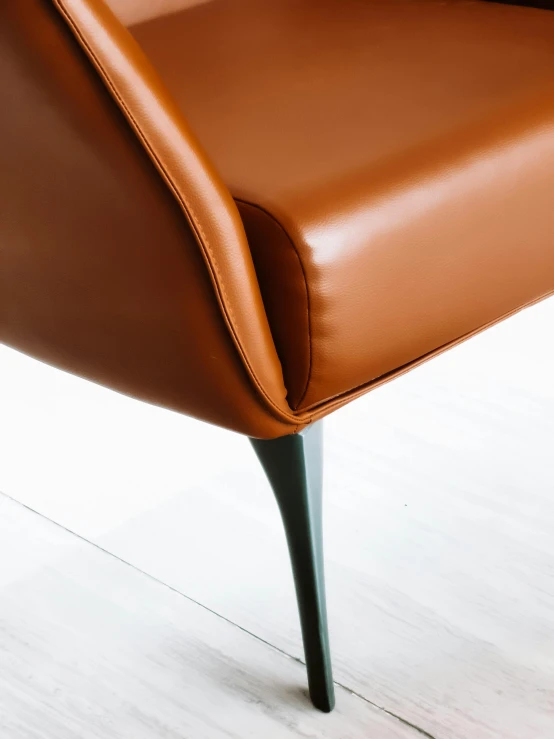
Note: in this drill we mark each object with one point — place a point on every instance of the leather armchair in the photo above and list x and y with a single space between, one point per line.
253 211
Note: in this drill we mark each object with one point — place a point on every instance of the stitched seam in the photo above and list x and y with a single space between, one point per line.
199 232
263 210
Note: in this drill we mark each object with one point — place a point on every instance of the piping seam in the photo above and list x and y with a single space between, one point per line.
189 213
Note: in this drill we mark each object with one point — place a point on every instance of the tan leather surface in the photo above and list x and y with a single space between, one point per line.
135 11
397 157
100 272
204 199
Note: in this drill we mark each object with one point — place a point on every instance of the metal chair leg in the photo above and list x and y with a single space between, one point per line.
293 465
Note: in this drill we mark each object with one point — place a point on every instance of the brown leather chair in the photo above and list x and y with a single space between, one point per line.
253 211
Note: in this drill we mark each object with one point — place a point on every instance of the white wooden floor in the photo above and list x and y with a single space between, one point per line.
439 525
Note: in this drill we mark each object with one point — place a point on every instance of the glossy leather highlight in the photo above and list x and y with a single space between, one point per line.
136 11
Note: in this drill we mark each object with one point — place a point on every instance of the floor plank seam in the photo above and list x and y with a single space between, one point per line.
421 731
385 710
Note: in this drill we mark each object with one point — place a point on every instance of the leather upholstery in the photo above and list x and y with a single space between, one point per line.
100 271
135 11
205 201
393 164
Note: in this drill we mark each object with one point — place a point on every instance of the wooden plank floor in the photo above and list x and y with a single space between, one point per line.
89 647
439 512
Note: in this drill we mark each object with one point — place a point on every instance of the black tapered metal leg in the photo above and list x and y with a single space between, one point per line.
294 467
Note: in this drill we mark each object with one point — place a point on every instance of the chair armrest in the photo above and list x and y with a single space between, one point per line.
122 255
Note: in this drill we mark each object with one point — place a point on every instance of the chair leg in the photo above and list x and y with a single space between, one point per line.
293 465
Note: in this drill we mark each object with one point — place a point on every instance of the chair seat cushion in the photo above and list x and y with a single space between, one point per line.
393 163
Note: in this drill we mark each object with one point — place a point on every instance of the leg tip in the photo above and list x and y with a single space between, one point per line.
324 701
